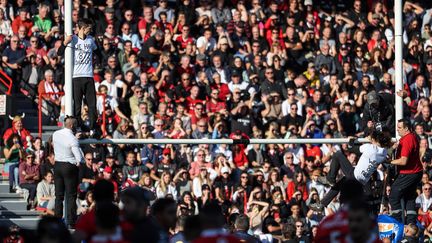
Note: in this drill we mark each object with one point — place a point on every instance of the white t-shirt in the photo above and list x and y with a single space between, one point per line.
423 202
209 45
83 56
112 102
372 156
112 87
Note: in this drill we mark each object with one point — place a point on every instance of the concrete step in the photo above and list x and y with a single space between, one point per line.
45 135
13 205
4 187
28 223
47 128
5 214
10 196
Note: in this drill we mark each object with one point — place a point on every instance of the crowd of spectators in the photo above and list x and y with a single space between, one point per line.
223 69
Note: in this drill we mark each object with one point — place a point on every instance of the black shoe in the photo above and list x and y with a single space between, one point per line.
323 180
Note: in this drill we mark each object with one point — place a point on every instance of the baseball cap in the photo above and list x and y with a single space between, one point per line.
308 2
372 98
205 187
311 65
344 47
225 170
429 61
166 151
223 41
139 194
235 73
108 169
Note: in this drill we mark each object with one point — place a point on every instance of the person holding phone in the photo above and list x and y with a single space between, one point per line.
14 153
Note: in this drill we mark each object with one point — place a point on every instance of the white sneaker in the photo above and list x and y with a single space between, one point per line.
18 189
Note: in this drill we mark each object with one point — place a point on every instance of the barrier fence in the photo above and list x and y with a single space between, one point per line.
41 98
225 141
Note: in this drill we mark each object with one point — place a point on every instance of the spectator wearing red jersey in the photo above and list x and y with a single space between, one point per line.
146 22
214 105
22 20
297 184
184 39
410 173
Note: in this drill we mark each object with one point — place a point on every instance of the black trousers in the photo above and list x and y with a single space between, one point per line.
31 188
404 187
339 161
85 86
66 181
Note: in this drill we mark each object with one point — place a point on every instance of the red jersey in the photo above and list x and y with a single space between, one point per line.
333 228
184 42
212 107
409 147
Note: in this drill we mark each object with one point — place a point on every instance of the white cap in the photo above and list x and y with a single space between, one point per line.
308 2
225 170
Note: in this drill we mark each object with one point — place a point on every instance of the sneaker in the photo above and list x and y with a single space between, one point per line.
18 189
323 180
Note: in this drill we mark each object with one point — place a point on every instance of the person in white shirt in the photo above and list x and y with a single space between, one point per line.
68 156
113 85
424 200
373 154
206 44
83 45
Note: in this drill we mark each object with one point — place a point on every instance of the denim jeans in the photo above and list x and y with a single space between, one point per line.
12 169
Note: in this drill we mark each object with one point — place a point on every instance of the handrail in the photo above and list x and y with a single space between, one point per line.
61 94
41 96
9 84
224 141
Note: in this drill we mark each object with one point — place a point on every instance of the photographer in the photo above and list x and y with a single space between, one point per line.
273 106
380 110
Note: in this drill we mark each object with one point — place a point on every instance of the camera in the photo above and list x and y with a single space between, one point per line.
244 95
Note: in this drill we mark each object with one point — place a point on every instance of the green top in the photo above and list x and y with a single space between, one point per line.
15 157
44 25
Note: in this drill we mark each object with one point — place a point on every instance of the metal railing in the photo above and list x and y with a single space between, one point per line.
225 141
41 98
8 83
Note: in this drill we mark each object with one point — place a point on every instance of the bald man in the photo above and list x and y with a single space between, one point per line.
68 155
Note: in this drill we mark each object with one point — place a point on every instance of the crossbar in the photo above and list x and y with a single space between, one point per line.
224 141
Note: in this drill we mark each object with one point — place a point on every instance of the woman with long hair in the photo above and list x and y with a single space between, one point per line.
258 211
275 181
146 182
143 131
201 179
176 131
45 193
187 205
166 187
297 184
